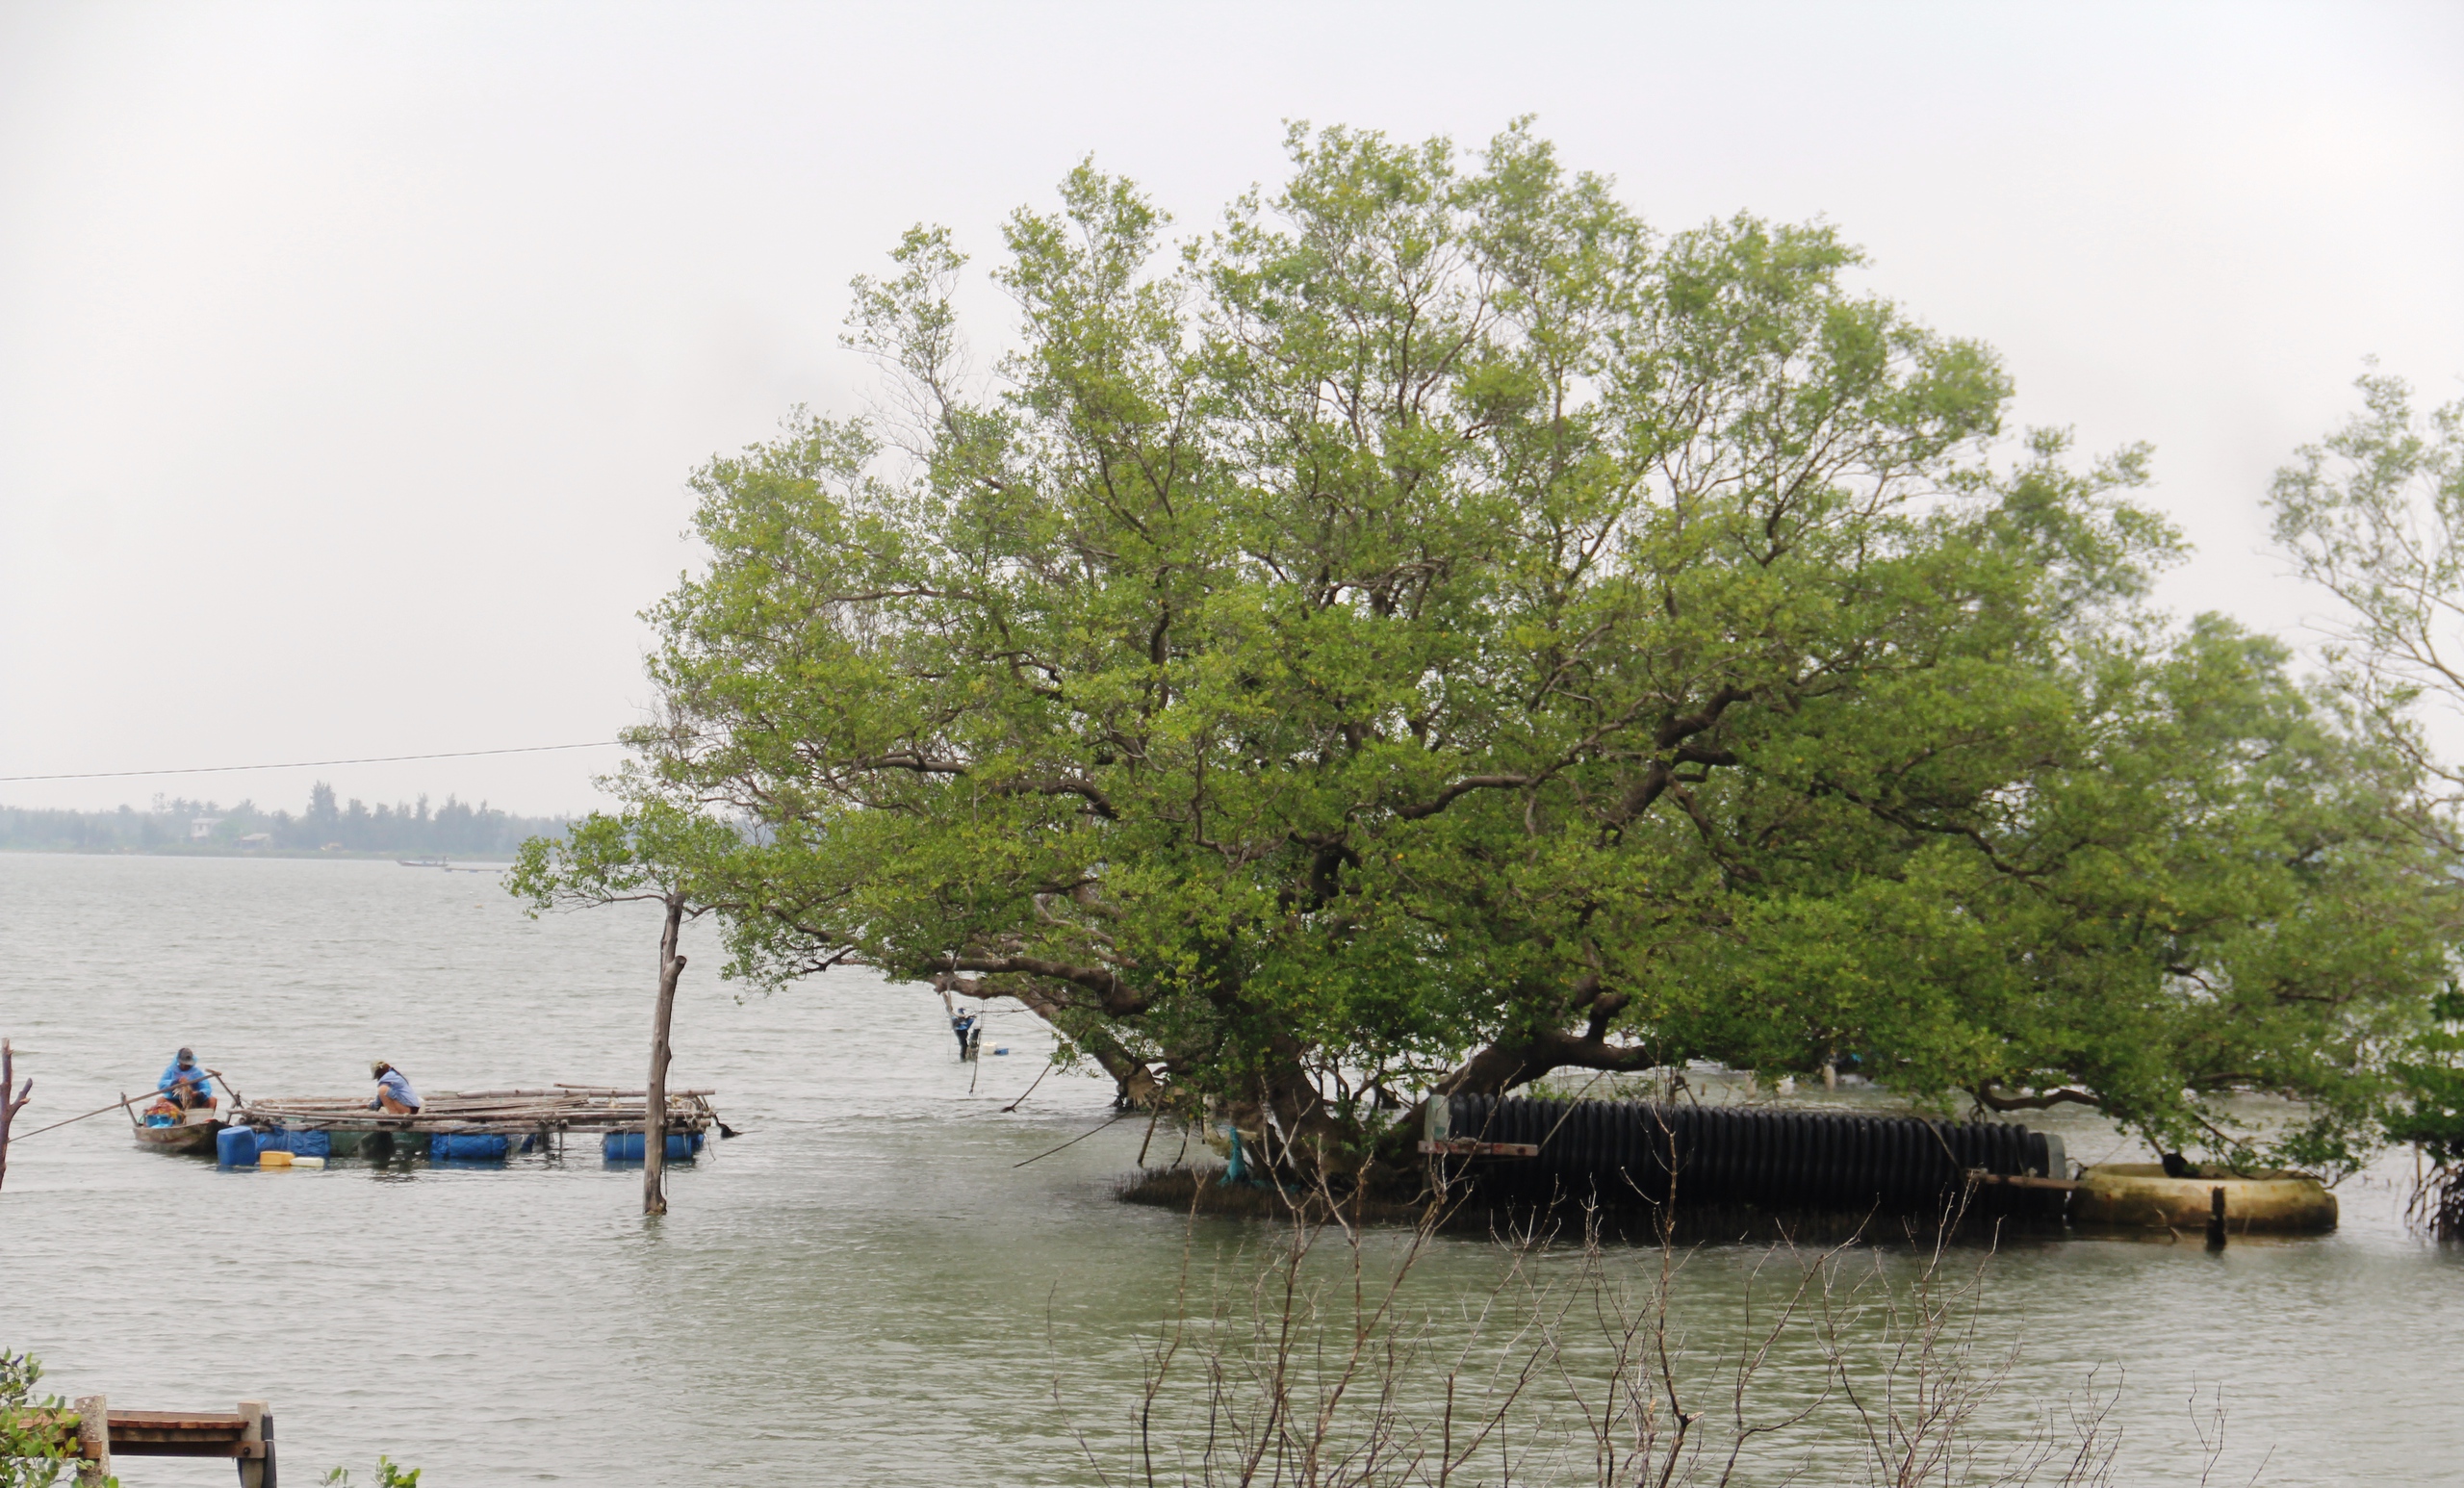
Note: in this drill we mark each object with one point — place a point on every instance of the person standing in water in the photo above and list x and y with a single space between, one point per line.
184 1084
968 1025
393 1094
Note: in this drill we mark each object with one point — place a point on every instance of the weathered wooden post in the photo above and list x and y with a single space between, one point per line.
93 1438
10 1105
257 1472
2215 1217
671 967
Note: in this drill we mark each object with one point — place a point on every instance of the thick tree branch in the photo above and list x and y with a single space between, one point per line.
1096 801
1114 995
1461 788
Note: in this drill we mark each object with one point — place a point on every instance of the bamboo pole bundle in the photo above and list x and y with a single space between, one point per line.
559 1108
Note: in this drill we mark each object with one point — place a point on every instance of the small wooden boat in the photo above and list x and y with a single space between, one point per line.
193 1130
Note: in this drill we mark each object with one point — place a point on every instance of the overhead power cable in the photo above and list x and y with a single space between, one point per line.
302 764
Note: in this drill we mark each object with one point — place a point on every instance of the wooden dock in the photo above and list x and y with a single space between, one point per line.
550 1112
95 1434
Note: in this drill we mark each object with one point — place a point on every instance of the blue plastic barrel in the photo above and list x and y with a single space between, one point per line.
311 1143
466 1147
275 1140
628 1148
235 1146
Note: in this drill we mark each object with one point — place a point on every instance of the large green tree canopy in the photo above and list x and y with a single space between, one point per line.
1432 630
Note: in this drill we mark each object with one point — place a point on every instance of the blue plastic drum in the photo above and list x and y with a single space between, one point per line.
466 1147
628 1146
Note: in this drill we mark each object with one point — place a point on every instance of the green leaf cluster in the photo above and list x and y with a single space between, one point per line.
37 1432
388 1474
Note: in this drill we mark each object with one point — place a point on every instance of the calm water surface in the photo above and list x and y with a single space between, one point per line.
865 1287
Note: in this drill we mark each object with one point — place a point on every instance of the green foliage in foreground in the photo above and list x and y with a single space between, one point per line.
388 1475
1434 630
34 1454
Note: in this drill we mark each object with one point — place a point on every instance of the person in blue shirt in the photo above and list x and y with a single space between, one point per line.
184 1084
393 1094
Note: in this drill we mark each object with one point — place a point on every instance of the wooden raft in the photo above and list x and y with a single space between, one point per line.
555 1109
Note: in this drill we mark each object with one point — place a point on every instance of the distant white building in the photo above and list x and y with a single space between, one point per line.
201 827
257 839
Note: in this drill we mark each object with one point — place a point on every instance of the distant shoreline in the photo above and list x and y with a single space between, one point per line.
182 828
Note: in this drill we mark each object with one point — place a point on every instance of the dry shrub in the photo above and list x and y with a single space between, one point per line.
1316 1363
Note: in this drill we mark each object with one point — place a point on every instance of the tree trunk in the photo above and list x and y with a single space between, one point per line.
1503 1067
10 1103
1298 1132
671 967
1136 1084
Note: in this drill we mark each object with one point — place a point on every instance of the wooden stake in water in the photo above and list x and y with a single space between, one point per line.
93 1438
671 967
10 1105
257 1472
2216 1218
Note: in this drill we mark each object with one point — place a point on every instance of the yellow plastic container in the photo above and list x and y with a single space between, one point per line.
273 1160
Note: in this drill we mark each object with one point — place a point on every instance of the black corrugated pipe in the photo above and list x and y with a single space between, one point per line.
1620 1151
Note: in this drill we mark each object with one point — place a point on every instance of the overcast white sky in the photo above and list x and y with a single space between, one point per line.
352 357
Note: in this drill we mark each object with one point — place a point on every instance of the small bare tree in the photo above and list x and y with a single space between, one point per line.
656 853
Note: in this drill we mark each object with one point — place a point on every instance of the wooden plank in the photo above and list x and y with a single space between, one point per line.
1465 1146
100 1435
179 1421
2024 1181
163 1434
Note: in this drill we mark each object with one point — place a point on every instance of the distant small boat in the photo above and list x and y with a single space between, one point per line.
421 863
189 1131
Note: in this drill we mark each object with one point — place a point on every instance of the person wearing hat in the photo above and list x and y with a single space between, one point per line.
184 1085
393 1094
